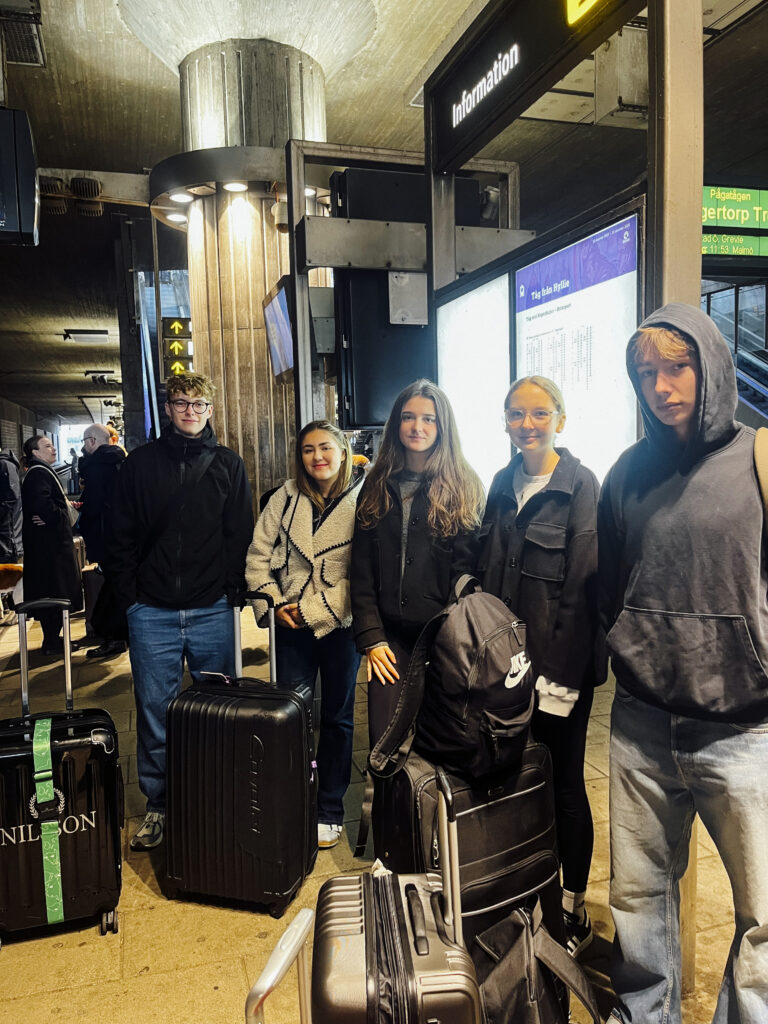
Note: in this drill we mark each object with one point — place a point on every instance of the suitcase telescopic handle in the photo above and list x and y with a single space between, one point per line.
449 856
258 595
292 946
23 610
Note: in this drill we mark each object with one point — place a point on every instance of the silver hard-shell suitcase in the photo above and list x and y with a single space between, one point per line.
389 947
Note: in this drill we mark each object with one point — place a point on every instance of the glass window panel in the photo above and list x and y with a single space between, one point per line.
722 307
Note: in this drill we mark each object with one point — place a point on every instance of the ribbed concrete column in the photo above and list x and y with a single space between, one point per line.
250 92
244 93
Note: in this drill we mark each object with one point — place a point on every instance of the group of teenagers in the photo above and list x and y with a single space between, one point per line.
663 570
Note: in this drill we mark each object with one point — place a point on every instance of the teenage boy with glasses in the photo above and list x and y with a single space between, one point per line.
182 525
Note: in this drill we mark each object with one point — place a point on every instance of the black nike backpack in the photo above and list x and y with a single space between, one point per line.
468 694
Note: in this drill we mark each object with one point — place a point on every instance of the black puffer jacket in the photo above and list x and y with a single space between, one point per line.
201 555
50 565
381 599
98 499
542 562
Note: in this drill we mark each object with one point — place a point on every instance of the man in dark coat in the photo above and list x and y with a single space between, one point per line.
104 462
50 563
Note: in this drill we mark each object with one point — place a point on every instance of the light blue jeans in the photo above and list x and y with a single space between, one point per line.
160 640
664 770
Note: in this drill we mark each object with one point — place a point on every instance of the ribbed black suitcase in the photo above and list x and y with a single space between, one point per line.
241 811
389 947
506 835
61 809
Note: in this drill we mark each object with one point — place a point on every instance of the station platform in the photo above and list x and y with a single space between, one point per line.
177 961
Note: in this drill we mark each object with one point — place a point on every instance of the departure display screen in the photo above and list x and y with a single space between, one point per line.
278 324
575 310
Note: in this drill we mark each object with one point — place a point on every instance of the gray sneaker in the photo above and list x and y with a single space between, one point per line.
150 833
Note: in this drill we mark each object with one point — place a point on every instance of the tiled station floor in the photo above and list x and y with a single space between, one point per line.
175 962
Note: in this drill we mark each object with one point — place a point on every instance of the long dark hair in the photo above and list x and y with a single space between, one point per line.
304 481
454 491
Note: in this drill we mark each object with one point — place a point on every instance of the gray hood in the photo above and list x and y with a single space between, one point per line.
718 396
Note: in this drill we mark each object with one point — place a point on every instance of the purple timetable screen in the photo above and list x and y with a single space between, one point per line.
574 313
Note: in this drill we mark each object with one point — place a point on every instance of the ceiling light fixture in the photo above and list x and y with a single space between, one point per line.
181 197
178 218
235 186
309 191
77 334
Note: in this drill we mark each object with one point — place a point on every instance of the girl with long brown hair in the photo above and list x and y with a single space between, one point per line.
419 507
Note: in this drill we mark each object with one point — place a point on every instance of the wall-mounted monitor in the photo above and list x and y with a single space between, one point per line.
575 310
277 321
19 190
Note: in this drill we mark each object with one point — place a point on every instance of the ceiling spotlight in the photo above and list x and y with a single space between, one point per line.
181 197
309 191
85 334
177 218
235 186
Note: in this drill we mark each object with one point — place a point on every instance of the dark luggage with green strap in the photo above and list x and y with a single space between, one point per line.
61 808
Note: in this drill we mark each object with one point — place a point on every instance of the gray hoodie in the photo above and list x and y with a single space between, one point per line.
682 556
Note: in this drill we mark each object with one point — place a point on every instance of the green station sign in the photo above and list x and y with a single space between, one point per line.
732 207
734 245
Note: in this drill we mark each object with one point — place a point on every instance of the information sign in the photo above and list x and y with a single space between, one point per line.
734 245
509 57
728 206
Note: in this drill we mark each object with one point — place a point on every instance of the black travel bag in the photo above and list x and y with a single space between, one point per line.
388 947
241 814
61 807
506 835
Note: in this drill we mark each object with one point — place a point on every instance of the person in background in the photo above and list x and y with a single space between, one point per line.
538 552
50 563
683 577
11 542
74 479
97 505
300 556
182 521
420 505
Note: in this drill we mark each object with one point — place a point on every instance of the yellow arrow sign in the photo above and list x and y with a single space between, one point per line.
176 327
176 347
177 368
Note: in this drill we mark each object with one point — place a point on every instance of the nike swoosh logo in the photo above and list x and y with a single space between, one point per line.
512 681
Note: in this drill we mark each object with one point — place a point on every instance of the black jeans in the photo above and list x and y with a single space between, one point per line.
299 656
566 739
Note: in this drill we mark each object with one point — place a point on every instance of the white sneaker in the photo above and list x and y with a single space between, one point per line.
328 835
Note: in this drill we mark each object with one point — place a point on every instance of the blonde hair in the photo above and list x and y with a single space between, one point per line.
304 481
545 384
190 384
665 342
454 492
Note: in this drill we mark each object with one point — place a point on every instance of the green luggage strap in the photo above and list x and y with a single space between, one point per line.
49 830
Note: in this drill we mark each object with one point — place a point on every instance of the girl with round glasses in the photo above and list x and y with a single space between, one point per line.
300 556
538 553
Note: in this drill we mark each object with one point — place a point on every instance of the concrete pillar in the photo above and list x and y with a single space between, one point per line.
245 93
675 179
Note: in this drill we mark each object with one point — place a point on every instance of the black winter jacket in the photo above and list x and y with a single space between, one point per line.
381 600
201 555
98 499
542 563
50 564
11 545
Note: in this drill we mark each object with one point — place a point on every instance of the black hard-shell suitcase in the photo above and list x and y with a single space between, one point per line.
77 821
506 835
389 947
241 813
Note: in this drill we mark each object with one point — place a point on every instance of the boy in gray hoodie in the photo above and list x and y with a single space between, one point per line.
683 574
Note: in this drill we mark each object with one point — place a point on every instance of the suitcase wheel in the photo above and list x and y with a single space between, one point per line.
109 922
277 910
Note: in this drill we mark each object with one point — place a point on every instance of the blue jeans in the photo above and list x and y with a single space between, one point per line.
664 769
160 640
299 656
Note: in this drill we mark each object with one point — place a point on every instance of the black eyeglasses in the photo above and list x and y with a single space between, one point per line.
197 406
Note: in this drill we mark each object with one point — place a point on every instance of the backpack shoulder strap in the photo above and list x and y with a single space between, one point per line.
390 752
761 467
563 966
